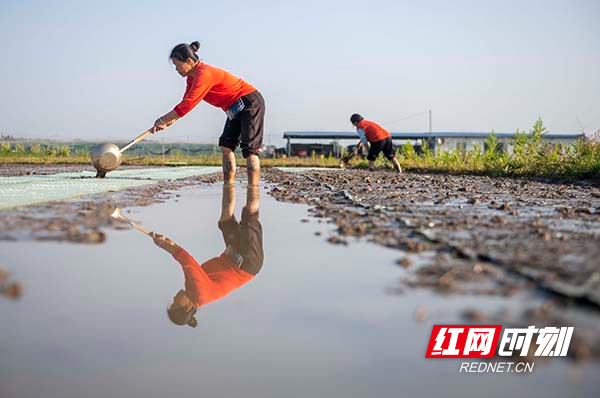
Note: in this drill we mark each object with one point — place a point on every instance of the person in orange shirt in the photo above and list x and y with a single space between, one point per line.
238 264
376 139
243 104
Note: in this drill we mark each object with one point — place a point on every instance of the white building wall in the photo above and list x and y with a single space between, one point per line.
453 143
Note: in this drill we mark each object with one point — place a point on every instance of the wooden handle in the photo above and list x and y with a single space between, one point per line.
141 229
136 140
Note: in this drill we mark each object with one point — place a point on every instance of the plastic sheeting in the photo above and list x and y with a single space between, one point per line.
29 190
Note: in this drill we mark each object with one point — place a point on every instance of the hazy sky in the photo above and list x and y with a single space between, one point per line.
101 70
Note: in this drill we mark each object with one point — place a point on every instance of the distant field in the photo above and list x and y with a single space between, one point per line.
200 160
531 156
145 153
81 148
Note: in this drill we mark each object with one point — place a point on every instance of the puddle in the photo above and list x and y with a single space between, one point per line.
316 320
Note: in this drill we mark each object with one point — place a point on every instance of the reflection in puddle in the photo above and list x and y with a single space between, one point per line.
318 321
239 263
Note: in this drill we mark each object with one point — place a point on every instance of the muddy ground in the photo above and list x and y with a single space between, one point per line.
473 236
495 227
81 220
465 228
455 234
12 170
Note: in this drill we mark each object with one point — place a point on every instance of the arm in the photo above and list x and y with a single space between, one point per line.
202 287
363 136
195 92
358 148
194 274
165 243
165 121
355 151
196 279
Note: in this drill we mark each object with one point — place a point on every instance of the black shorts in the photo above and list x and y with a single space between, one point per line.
246 238
247 127
384 146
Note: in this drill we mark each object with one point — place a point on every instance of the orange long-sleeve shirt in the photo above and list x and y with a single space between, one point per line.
373 131
216 86
212 280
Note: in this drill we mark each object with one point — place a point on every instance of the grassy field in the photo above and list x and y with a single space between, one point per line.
531 156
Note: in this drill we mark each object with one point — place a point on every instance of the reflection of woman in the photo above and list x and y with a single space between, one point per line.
219 276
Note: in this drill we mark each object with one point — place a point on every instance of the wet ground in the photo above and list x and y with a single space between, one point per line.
24 169
82 219
473 235
18 169
342 306
478 228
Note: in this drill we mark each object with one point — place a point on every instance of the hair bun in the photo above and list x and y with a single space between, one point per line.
193 322
195 46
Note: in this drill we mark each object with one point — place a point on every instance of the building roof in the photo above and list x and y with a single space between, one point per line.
341 135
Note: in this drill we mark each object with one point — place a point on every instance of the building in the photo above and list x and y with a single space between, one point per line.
310 149
437 141
467 141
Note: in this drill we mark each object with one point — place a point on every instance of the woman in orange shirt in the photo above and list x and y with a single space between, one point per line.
237 265
376 139
243 104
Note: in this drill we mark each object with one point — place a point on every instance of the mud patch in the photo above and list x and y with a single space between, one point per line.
501 233
81 220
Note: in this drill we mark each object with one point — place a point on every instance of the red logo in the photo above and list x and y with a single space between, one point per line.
463 341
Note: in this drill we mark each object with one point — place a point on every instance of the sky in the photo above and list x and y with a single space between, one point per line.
100 70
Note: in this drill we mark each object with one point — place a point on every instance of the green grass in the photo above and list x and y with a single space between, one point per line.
531 156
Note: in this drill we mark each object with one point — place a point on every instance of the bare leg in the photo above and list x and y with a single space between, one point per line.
228 157
253 167
252 199
228 202
397 165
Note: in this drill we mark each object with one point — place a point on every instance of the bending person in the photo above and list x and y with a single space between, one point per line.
376 139
243 104
239 263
